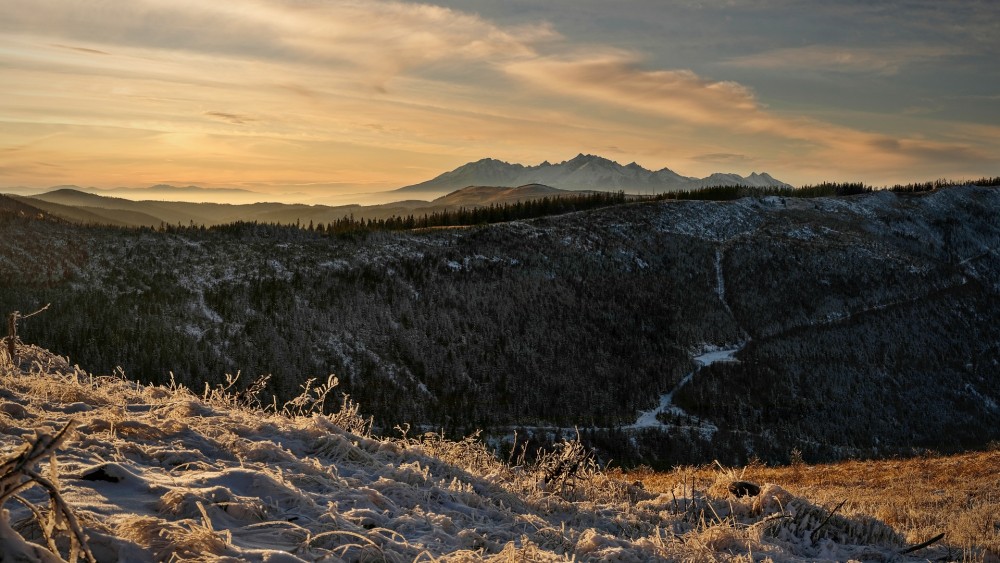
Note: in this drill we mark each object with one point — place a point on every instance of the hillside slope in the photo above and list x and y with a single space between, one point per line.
668 332
159 473
473 196
12 206
921 498
94 209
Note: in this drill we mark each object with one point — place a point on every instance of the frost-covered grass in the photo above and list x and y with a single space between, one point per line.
919 498
163 473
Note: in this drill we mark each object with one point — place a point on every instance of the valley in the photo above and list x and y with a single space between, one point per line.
850 315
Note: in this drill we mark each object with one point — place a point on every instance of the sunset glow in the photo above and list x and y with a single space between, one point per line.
327 100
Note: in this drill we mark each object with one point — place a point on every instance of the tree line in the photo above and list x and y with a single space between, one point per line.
350 226
823 189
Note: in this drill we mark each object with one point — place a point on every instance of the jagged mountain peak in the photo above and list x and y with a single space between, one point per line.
582 172
583 159
488 163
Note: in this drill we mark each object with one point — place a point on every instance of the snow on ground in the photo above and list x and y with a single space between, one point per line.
720 279
716 221
648 419
160 473
712 354
986 401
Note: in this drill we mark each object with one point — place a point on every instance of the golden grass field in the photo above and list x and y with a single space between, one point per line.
919 497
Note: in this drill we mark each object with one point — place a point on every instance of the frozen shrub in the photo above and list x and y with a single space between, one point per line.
566 462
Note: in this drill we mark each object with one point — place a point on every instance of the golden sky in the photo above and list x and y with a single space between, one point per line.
322 100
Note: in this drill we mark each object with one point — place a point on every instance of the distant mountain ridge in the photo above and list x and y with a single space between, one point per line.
583 172
158 189
76 206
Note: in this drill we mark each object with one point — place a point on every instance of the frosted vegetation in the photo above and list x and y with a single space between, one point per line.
161 472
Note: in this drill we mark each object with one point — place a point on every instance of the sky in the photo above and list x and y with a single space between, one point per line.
327 100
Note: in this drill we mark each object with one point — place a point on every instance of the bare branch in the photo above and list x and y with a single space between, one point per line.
812 536
18 474
919 546
22 317
12 331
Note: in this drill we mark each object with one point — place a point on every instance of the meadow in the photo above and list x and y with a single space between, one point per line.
919 497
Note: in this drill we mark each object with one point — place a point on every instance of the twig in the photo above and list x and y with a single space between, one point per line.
812 536
74 525
772 518
717 517
22 317
18 474
12 331
39 518
922 545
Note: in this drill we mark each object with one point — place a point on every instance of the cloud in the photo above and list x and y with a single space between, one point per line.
727 108
616 78
82 49
723 158
929 151
234 118
831 58
382 38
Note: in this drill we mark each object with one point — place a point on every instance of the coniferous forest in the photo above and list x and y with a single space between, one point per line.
866 324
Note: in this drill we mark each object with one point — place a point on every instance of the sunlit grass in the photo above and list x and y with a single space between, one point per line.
919 497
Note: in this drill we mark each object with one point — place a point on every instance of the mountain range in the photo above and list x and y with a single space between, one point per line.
583 172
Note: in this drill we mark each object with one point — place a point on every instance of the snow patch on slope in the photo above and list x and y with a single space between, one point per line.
648 419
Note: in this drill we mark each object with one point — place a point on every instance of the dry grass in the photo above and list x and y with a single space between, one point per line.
220 477
919 498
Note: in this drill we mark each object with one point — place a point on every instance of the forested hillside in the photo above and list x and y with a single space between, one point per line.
866 325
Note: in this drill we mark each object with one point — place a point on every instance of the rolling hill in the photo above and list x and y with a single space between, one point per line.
92 209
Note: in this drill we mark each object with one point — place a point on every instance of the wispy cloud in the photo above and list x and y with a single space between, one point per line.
382 38
615 77
723 158
885 60
82 49
234 118
723 107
